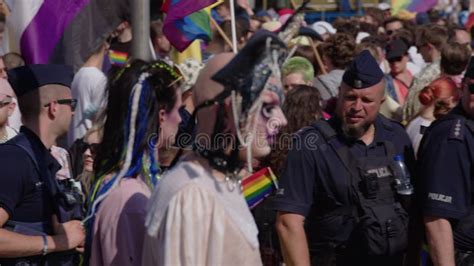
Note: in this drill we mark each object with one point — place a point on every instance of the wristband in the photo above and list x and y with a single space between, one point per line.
45 245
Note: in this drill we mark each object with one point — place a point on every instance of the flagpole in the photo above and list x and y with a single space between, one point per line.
141 29
233 26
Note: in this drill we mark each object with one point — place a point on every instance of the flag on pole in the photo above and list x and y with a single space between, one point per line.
65 31
186 21
413 6
258 186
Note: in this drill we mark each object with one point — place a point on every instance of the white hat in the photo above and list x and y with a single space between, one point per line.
384 6
323 27
190 69
360 36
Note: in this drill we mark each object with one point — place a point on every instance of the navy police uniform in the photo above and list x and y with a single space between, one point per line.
445 166
29 191
335 182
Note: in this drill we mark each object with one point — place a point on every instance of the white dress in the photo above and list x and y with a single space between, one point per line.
194 219
414 131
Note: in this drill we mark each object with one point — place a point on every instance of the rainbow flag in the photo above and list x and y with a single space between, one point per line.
258 186
414 6
186 21
118 58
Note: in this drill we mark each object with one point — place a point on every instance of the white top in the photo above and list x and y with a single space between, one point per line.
14 120
88 87
194 219
414 131
416 61
11 132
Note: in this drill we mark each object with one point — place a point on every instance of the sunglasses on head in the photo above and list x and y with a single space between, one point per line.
70 102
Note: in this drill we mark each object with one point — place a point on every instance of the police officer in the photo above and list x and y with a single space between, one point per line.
446 160
33 222
338 181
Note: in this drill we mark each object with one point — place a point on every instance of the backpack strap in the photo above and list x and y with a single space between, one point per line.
21 142
344 154
325 129
390 87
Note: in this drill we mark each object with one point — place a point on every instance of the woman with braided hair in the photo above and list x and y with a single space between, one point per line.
141 116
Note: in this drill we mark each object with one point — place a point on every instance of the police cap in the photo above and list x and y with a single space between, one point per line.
30 77
363 72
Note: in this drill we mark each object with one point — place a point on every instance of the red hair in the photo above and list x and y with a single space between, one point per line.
438 92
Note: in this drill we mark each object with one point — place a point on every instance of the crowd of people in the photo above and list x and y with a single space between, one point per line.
367 123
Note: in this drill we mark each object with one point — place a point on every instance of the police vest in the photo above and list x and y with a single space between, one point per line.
67 210
373 221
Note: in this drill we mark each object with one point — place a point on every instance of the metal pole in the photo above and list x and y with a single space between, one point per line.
141 29
232 23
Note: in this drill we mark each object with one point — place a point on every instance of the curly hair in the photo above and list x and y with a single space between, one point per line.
340 49
302 107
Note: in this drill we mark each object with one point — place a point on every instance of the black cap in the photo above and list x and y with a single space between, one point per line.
309 32
470 69
396 48
30 77
363 71
250 69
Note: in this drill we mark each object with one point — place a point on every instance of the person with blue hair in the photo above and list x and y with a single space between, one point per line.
141 116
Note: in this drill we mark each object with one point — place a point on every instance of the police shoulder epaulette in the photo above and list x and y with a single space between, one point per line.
457 130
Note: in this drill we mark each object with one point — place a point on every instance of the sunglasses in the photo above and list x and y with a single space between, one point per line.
6 101
70 102
93 148
395 59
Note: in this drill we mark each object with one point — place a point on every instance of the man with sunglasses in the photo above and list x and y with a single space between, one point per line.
7 106
446 160
400 78
36 213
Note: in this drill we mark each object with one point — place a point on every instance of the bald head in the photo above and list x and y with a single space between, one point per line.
205 88
32 102
6 89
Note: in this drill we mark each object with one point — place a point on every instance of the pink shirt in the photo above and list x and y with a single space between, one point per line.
119 226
